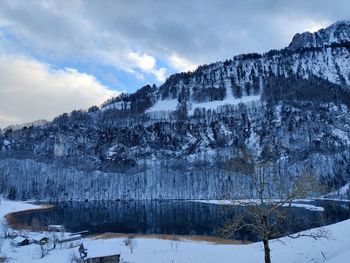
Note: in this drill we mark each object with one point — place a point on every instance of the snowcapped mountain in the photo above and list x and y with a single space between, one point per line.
184 139
338 33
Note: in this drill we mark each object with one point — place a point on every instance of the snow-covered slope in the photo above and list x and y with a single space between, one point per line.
179 140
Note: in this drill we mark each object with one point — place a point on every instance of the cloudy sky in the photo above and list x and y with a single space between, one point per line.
56 56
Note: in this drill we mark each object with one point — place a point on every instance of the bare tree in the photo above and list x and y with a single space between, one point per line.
1 244
62 235
130 242
3 258
35 225
75 259
5 228
266 214
174 243
53 240
43 250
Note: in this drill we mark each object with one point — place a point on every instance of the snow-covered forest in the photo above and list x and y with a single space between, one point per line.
184 139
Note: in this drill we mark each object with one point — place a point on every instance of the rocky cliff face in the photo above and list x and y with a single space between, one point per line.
338 33
184 139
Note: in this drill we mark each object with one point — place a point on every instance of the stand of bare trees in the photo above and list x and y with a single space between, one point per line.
266 209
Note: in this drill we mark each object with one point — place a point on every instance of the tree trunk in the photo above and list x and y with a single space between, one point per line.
267 251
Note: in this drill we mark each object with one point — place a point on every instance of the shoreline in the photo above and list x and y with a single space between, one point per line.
12 220
14 224
170 237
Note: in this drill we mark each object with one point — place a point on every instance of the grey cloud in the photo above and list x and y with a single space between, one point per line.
209 30
201 31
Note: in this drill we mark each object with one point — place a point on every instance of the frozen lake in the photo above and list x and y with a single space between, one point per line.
170 217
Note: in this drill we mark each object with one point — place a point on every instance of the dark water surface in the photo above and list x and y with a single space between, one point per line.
170 217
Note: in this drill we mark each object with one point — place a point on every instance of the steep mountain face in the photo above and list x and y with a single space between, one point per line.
338 33
186 138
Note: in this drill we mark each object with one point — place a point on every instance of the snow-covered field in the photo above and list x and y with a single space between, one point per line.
171 105
334 249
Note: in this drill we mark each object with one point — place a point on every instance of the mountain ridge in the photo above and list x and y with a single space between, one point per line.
292 50
338 32
184 139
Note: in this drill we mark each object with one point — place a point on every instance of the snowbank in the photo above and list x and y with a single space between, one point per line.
7 207
250 201
334 249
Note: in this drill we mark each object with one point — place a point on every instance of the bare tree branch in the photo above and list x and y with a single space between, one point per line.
267 213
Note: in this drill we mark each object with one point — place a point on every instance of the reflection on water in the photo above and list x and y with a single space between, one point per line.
169 217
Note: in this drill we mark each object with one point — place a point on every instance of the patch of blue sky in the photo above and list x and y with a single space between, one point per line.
110 76
8 41
169 69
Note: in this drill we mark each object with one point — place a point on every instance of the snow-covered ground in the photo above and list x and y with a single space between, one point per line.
164 105
229 100
250 201
171 105
7 207
335 249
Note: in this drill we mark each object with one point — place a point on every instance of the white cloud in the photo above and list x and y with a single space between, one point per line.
143 61
160 74
314 26
147 64
31 90
181 64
